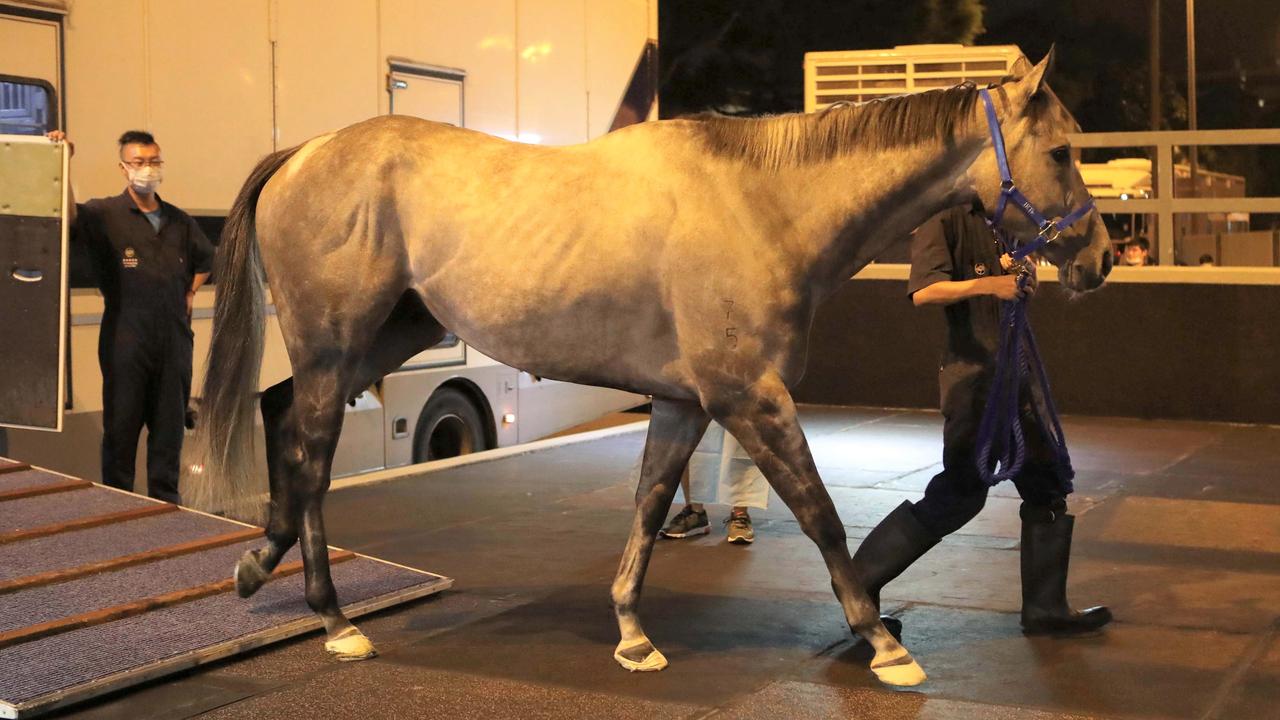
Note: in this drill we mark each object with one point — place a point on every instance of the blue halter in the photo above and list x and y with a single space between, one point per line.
1050 230
1000 434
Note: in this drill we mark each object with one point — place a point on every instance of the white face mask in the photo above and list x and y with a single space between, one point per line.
144 180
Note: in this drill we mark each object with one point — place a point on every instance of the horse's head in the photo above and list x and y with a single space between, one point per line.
1034 125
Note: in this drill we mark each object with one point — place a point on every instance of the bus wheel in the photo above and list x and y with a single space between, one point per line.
449 426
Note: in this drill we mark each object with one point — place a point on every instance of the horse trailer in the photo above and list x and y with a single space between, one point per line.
222 84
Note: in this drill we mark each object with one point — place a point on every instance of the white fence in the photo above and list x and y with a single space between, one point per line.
1163 205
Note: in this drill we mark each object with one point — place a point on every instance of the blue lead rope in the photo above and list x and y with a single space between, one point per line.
1001 438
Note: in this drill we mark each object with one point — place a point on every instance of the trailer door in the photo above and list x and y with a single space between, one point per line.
427 91
30 52
431 93
33 282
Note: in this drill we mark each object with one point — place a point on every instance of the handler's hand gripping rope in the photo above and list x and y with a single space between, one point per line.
1001 438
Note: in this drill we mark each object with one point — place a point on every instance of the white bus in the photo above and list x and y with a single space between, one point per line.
222 84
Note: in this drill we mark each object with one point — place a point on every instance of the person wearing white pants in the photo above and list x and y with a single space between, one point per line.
730 479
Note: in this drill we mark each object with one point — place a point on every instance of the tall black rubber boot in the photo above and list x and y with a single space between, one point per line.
1046 550
889 549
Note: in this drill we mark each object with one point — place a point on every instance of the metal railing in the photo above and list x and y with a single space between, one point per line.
1164 206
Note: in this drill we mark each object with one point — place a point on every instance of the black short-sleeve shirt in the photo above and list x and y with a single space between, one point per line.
958 245
144 274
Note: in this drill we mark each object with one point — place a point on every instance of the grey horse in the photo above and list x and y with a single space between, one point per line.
680 259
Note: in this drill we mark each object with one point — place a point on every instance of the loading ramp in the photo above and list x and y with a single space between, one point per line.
102 589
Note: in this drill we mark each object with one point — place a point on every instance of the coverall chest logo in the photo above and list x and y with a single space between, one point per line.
980 269
130 258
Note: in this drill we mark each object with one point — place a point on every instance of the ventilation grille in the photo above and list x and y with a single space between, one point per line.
861 75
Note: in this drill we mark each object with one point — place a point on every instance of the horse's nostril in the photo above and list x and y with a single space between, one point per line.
1106 264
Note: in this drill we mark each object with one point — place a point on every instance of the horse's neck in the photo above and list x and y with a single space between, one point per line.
857 206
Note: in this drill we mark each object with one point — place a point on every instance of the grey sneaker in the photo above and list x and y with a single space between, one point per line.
740 530
687 523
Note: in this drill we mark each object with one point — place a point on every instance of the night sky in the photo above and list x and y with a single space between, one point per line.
746 57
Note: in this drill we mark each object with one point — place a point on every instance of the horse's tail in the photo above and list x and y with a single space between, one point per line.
220 473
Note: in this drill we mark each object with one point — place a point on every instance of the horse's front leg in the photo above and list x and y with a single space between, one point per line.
762 416
675 428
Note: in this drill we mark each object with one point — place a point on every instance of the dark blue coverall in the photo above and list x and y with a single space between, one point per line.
145 344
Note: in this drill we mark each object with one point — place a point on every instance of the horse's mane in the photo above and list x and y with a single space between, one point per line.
797 138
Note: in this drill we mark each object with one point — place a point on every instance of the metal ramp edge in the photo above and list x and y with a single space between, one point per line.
277 613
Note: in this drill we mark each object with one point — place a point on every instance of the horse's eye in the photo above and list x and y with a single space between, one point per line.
1061 155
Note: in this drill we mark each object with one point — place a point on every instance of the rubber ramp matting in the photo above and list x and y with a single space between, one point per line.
102 589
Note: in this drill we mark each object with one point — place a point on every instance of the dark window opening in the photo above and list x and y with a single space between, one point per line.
27 106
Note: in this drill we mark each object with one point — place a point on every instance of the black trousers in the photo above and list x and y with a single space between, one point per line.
146 380
957 494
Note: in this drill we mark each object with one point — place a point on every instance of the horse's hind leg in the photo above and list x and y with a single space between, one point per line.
255 566
763 419
303 417
674 432
409 329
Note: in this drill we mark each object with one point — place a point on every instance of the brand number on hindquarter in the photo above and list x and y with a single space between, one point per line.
730 332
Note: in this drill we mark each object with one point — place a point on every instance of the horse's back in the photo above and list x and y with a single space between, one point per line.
522 250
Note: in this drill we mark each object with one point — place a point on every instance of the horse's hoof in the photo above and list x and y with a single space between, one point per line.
349 645
640 657
249 574
902 671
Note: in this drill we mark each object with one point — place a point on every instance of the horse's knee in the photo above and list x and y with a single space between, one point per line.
828 537
824 529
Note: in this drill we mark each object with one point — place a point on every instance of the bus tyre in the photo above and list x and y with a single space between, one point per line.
450 425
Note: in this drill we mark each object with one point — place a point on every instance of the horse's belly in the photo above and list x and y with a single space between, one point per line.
599 337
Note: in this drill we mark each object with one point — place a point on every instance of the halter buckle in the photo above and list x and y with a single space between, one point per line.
1050 231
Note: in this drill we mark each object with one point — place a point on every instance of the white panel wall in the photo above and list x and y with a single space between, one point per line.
616 34
210 95
195 73
106 90
30 49
199 75
552 66
477 36
328 74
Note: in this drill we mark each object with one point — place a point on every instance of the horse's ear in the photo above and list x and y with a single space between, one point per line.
1030 82
1021 67
1045 67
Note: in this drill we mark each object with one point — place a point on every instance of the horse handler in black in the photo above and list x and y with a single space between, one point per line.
957 262
149 259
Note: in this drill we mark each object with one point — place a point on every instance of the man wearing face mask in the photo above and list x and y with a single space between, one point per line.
149 258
